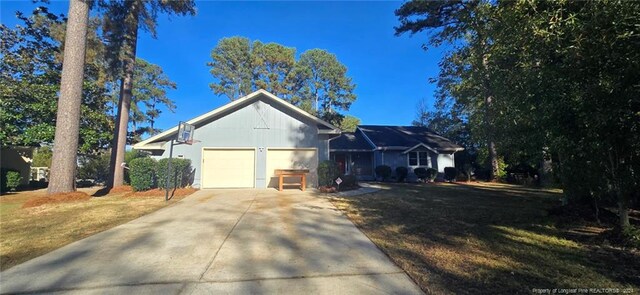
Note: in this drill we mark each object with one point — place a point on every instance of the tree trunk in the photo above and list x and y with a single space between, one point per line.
546 168
488 116
623 207
618 185
493 159
124 104
65 152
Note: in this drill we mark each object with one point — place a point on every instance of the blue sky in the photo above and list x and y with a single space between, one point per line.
391 73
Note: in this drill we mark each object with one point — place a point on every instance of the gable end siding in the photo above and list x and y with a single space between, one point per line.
261 124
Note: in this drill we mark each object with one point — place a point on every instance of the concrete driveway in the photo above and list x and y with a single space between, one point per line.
216 241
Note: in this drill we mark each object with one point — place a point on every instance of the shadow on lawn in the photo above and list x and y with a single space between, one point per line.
106 191
212 237
101 192
471 239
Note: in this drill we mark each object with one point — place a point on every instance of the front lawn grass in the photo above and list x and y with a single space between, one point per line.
30 232
487 238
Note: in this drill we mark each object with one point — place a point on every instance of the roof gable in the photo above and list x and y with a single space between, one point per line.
323 126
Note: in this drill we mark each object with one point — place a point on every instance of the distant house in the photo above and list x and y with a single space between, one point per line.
17 158
241 144
359 152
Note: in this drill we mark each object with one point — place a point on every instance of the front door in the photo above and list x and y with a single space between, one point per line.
341 160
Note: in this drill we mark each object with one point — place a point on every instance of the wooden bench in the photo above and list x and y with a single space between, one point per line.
282 173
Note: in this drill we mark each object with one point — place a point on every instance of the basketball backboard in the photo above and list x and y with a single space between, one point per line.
185 133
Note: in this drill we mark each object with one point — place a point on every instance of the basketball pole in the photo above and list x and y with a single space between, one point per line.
166 193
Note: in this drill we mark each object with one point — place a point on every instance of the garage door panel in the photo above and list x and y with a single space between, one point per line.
291 159
228 168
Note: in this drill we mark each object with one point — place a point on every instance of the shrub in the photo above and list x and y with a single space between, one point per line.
421 173
13 180
179 175
348 182
502 169
9 179
450 173
401 173
94 167
84 183
426 174
128 157
383 171
630 236
134 154
432 174
142 171
328 171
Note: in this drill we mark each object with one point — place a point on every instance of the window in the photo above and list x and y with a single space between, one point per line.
413 159
418 159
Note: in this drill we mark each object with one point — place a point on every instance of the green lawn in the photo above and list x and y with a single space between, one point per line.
487 238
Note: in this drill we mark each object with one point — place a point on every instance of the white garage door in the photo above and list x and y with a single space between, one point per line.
291 159
228 168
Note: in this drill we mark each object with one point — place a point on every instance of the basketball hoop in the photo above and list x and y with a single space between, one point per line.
185 133
184 136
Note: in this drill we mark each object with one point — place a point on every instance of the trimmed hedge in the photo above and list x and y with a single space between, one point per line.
426 174
328 171
179 176
142 173
128 157
421 173
432 173
401 173
383 171
450 173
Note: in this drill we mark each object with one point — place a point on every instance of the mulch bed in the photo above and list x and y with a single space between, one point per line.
56 198
121 189
332 189
327 189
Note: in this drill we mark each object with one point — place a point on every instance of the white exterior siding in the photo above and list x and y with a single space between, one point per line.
445 160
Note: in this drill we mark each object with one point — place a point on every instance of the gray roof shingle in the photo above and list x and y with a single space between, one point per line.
404 137
350 141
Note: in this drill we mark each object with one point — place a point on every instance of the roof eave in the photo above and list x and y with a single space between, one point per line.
333 129
350 150
420 145
154 146
453 150
391 148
